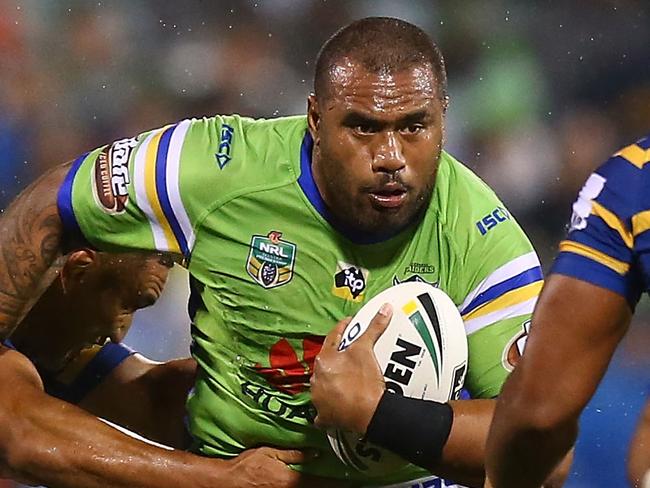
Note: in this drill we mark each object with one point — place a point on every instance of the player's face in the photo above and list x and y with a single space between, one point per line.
377 142
102 306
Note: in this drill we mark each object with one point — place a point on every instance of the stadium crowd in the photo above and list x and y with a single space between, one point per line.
541 93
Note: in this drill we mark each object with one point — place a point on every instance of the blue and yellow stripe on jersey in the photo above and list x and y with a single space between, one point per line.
156 181
509 291
608 241
154 167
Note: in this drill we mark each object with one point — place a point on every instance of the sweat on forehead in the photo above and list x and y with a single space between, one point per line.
382 46
347 76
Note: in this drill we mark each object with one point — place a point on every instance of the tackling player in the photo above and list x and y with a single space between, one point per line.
598 277
51 442
289 224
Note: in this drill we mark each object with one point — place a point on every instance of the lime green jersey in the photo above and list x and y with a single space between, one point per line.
271 274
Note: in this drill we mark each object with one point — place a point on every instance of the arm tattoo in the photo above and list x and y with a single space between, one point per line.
30 248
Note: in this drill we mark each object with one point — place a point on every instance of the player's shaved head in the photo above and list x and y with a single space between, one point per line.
379 45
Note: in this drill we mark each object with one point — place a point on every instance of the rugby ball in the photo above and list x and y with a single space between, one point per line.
422 354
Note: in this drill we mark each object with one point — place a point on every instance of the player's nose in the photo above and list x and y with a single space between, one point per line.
389 153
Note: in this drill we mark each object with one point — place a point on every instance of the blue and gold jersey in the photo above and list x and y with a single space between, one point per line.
609 239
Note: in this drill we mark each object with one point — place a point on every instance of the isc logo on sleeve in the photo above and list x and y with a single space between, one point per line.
492 219
225 142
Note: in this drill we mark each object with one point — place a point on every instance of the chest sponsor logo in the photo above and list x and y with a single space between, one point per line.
350 281
271 260
111 176
515 347
287 373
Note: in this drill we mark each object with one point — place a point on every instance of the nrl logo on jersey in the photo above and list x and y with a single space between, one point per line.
111 176
271 259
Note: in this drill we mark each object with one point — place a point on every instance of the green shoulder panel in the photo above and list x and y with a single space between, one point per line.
496 279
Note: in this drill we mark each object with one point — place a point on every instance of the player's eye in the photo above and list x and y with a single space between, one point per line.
413 129
364 129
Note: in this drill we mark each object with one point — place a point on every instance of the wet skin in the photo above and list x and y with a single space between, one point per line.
377 143
98 294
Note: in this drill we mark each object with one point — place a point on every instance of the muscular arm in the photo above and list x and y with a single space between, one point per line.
146 397
357 397
470 429
576 328
47 441
50 442
30 245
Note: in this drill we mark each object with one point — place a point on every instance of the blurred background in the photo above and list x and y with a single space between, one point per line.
541 92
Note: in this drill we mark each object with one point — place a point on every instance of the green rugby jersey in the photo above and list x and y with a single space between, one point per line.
270 275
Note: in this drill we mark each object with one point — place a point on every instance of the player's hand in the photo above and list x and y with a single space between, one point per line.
346 386
266 467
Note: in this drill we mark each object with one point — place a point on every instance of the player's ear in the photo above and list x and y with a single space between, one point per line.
76 268
313 117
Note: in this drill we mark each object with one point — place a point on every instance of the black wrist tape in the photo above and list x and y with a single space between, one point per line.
415 429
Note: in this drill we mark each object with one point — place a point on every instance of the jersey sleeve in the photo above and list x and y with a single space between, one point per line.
498 278
86 371
498 309
608 218
147 192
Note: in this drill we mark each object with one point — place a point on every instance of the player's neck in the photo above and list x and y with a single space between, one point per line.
45 320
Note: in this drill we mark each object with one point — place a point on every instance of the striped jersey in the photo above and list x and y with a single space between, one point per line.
608 243
271 274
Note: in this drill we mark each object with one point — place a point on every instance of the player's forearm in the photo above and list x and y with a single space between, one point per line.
146 397
30 243
446 438
67 448
464 453
463 456
530 456
525 442
47 441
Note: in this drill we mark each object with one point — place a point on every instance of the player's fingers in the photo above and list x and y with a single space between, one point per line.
290 456
333 339
377 325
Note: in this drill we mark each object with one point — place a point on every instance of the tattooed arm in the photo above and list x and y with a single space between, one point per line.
30 248
41 436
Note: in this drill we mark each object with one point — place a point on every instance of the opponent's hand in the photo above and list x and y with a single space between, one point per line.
266 467
346 385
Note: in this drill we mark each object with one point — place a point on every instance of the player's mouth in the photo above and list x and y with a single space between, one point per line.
388 196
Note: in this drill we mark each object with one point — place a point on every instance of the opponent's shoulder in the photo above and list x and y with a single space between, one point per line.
619 186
